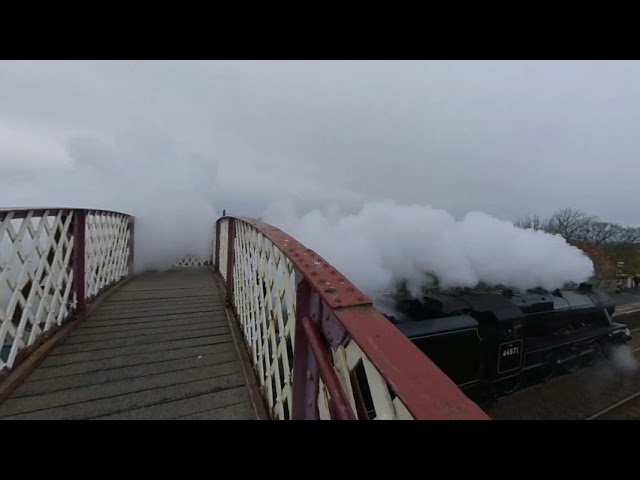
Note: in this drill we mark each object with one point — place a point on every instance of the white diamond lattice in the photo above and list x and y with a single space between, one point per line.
190 261
264 293
35 277
36 271
107 245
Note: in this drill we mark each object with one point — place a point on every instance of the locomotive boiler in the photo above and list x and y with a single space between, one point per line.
493 343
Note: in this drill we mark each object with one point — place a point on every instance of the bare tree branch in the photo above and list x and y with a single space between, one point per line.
570 223
625 235
598 232
535 222
577 226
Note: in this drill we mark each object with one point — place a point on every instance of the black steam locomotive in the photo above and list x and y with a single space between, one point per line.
493 343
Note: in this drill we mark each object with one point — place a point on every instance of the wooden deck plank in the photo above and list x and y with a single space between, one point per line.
134 400
159 348
190 311
136 327
61 398
198 405
152 330
207 331
71 358
178 296
161 295
109 322
46 371
105 377
142 304
240 411
169 288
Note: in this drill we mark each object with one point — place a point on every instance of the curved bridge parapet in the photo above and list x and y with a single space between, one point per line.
54 262
318 347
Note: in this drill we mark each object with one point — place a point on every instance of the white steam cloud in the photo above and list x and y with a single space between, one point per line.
385 243
623 358
171 192
141 173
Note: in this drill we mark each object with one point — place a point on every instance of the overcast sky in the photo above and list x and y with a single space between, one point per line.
503 137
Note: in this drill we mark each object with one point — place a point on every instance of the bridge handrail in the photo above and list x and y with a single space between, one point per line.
319 348
21 212
43 254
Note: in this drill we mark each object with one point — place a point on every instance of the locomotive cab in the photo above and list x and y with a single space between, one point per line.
452 343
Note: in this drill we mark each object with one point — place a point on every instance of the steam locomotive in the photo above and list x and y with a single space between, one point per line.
494 343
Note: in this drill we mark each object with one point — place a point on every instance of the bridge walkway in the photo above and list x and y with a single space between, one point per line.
160 347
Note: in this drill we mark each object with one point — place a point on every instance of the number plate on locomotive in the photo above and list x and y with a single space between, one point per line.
510 356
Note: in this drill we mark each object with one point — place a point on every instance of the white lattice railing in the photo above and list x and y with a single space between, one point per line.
190 261
43 254
107 250
265 301
319 348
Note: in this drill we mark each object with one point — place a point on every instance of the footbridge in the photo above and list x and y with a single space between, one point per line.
263 328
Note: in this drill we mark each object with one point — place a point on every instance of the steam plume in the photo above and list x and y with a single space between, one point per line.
142 173
171 194
385 243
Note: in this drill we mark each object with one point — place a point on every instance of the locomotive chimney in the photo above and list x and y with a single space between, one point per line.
585 287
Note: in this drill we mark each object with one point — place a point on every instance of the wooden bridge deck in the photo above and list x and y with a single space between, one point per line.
159 348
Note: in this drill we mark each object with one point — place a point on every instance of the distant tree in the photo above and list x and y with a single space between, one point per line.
606 243
535 222
598 232
625 235
570 223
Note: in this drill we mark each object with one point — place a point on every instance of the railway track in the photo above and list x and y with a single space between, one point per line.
607 390
634 344
628 408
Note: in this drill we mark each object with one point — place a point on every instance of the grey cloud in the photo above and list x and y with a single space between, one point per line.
505 137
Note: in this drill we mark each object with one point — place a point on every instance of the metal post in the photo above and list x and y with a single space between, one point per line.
305 366
231 260
131 245
216 254
79 225
339 402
